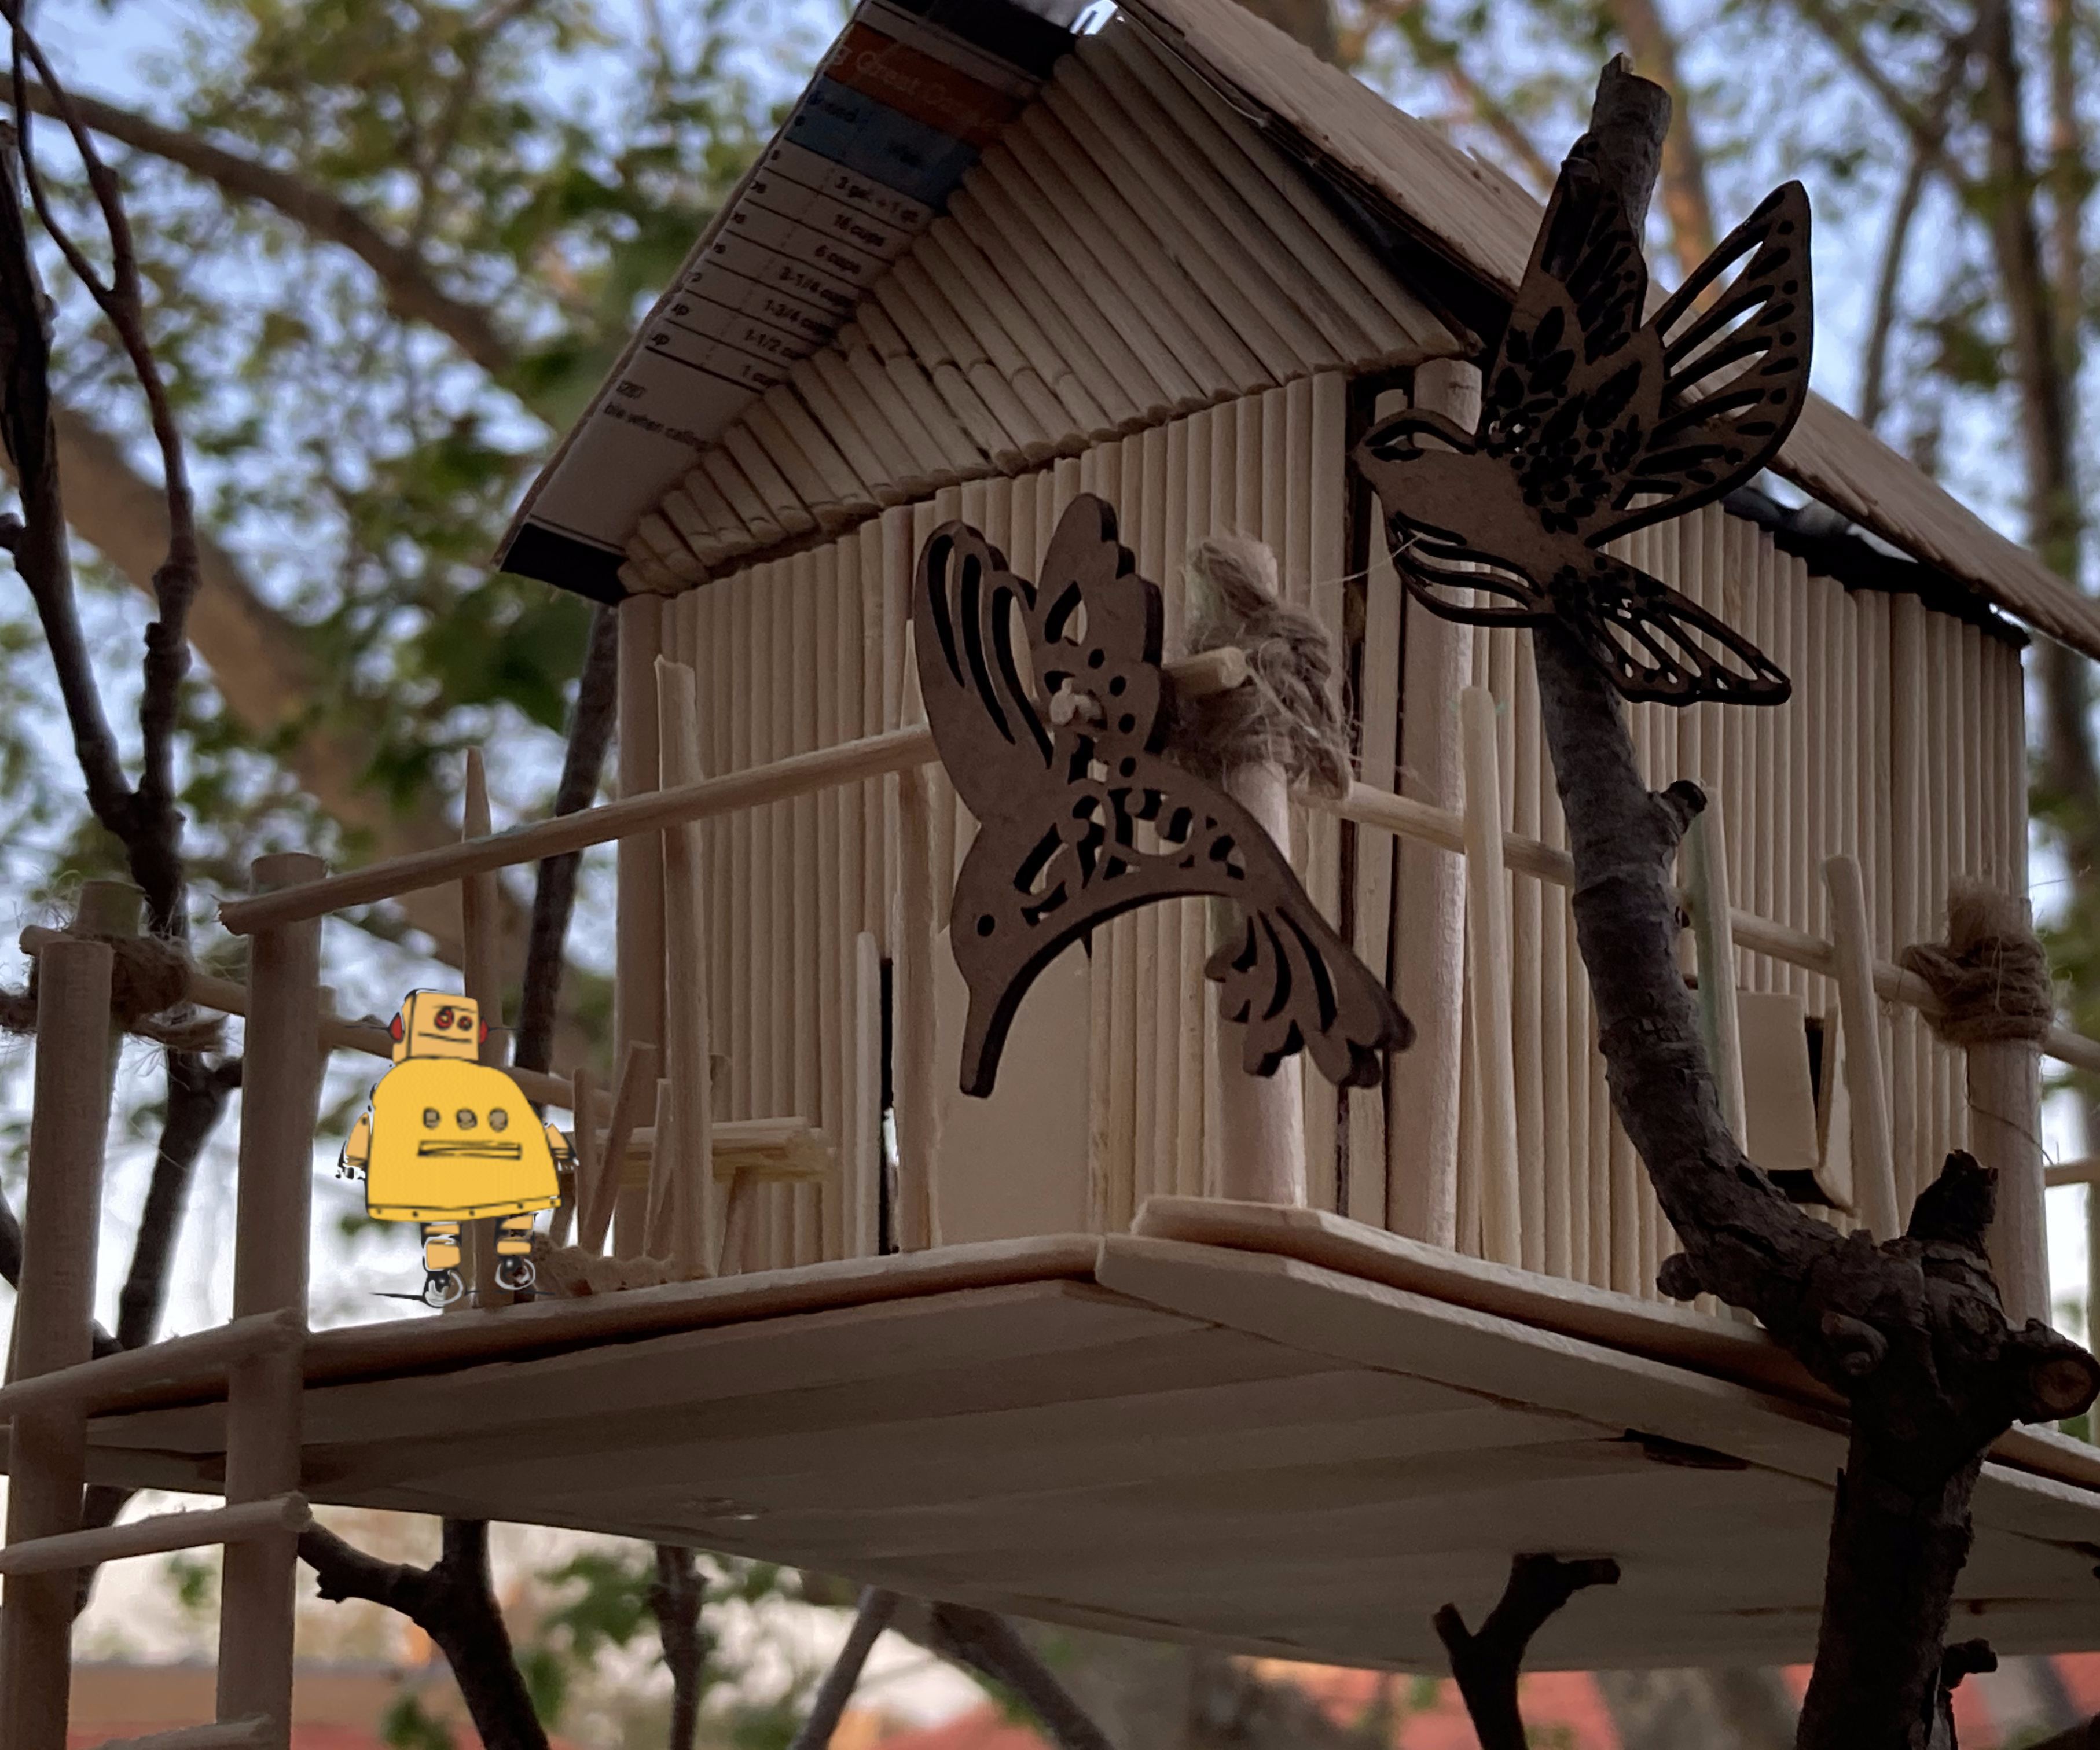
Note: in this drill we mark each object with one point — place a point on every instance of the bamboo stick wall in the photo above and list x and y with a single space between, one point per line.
1902 747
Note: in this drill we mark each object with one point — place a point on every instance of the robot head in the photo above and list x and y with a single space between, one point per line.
437 1024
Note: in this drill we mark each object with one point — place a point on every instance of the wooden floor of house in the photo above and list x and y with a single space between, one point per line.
1268 1431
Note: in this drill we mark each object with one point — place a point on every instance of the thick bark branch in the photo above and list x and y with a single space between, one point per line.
452 1602
1684 198
412 292
1487 1666
1910 1331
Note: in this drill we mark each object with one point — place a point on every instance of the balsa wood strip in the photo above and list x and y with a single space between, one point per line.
87 1386
1118 113
1875 1191
694 1244
280 1098
53 1333
156 1534
1487 920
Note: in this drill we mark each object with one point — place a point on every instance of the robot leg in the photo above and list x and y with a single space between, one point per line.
441 1256
514 1249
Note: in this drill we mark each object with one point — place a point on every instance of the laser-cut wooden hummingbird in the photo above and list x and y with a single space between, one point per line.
1081 816
1594 424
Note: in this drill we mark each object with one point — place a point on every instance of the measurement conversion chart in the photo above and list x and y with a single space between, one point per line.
907 98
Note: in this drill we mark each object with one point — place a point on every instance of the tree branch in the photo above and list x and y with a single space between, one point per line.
675 1598
452 1602
412 292
151 829
554 893
989 1645
1487 1665
1925 156
870 1618
1440 54
1684 197
1909 1332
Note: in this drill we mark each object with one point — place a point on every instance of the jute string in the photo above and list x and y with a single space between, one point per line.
148 983
1991 976
1289 712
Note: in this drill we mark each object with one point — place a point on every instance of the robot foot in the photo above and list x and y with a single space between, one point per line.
516 1274
441 1288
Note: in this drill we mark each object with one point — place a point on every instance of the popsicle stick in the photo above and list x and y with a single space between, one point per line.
638 1076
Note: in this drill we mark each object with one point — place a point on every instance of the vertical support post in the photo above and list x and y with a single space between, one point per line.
1262 1144
1423 1090
2005 1115
54 1327
638 1017
480 898
696 1220
864 1147
280 1088
1487 928
1859 1035
915 939
1713 949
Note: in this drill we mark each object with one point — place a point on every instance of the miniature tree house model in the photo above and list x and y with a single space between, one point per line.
1019 1352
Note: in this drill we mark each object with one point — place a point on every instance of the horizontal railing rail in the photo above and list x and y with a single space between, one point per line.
883 755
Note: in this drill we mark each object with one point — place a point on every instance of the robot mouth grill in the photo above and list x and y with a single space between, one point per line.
485 1151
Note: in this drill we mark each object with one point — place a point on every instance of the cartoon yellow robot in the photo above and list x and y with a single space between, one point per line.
447 1138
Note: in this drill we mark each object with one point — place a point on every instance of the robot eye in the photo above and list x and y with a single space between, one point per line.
467 1119
498 1118
430 1118
444 1018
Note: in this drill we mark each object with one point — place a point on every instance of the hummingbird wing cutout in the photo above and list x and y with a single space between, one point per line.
1049 708
1594 424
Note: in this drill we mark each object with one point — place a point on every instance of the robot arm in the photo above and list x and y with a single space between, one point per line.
558 1146
357 1148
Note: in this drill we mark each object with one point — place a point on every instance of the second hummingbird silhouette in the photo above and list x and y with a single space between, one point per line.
1593 424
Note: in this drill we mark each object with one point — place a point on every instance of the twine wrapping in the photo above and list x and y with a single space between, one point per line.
148 985
1991 977
1290 710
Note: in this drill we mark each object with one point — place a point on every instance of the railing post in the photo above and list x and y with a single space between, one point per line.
914 941
1874 1194
1488 932
637 1010
696 1230
279 1093
54 1327
1423 1085
1714 947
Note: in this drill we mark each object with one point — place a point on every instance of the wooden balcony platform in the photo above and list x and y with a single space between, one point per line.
1272 1432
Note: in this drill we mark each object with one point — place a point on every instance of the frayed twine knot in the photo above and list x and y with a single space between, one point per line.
1290 710
1991 976
148 986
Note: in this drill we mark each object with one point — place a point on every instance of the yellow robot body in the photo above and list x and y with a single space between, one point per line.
448 1137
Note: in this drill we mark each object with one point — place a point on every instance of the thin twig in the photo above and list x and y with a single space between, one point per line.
875 1608
1917 174
153 845
990 1645
554 893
